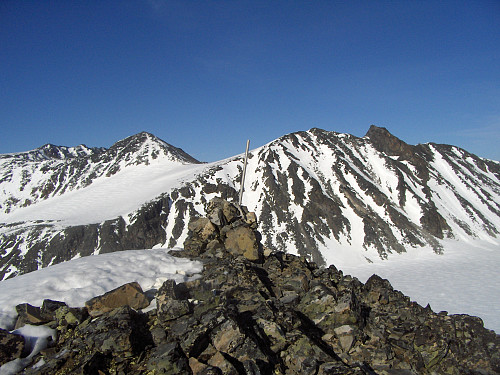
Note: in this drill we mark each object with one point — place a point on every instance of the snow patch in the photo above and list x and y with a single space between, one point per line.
464 280
76 281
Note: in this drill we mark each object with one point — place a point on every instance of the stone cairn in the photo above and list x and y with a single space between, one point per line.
226 229
256 312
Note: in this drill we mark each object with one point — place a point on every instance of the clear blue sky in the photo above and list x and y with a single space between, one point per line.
207 75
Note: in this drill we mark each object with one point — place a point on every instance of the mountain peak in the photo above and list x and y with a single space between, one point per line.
143 137
146 144
388 143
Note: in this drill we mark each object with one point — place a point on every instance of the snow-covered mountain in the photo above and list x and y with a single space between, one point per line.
321 194
29 177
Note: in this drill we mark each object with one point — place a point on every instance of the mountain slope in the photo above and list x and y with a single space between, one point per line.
317 192
320 194
30 177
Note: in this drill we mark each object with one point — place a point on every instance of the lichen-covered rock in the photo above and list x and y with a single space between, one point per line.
227 337
170 309
28 314
242 241
168 358
223 364
69 317
111 341
49 308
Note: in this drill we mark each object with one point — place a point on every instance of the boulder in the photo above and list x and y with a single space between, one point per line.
221 212
227 337
201 233
241 241
203 229
49 308
198 367
28 314
171 302
70 316
130 294
168 359
221 362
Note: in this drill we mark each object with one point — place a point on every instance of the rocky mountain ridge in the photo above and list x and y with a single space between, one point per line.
254 311
317 193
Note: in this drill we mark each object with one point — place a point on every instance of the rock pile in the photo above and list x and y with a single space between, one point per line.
254 312
226 229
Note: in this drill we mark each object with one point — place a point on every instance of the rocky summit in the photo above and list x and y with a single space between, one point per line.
253 311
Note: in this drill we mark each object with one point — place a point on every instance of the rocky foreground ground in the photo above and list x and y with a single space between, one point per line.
254 311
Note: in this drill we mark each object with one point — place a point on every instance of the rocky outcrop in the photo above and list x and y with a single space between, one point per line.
226 229
277 314
391 145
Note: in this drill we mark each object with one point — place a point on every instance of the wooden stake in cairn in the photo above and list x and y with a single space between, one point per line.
243 175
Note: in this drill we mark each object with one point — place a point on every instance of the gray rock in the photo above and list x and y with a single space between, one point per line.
168 359
28 314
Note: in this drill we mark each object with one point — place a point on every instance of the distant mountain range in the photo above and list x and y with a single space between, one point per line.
315 193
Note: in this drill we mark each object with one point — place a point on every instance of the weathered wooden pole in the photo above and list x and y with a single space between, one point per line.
244 172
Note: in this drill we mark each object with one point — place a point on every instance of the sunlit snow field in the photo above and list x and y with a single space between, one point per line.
464 280
78 280
107 198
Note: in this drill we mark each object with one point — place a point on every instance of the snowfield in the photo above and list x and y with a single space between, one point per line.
465 280
108 197
78 280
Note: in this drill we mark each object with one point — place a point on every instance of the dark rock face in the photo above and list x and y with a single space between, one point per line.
280 314
385 142
11 346
56 246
